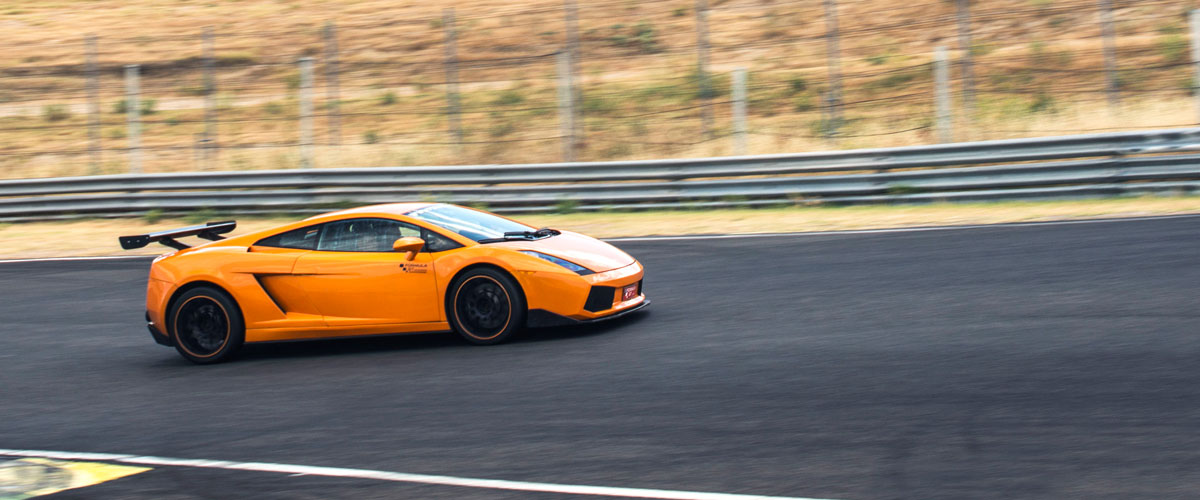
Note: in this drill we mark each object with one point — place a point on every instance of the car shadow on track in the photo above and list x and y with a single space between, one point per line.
409 342
578 331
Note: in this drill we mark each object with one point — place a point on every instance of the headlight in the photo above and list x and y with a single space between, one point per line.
580 270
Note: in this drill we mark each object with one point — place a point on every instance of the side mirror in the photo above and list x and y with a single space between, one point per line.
410 244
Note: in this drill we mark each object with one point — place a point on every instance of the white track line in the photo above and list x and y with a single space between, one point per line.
308 470
899 229
71 259
998 225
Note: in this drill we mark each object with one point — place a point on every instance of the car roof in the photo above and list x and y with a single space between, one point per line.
386 208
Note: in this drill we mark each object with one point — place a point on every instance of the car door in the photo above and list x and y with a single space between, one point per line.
355 278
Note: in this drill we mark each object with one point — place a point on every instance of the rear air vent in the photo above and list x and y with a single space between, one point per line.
600 298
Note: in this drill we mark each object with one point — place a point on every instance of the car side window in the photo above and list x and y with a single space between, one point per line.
364 235
304 238
435 242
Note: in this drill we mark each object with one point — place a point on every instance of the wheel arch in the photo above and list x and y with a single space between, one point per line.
192 285
496 267
446 306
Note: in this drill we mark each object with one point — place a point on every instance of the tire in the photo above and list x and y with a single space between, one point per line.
485 306
206 326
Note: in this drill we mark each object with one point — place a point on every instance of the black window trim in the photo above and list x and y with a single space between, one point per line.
321 228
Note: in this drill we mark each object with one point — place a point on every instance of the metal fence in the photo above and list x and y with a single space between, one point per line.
1161 161
594 81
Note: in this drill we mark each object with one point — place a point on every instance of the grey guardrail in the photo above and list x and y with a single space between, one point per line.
1083 165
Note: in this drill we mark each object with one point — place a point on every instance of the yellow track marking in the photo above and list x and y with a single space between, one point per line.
33 477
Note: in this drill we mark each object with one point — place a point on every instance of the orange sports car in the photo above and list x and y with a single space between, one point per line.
383 269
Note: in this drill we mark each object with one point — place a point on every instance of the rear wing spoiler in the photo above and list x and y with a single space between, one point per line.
209 231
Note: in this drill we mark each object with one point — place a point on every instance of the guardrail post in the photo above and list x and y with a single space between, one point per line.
333 98
133 117
833 48
453 108
945 120
704 82
93 91
306 128
566 106
571 9
968 63
739 111
1110 53
1194 17
210 101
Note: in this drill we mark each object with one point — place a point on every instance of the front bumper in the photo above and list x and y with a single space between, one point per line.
541 318
580 299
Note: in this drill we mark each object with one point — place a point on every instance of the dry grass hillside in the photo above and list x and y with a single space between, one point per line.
1039 70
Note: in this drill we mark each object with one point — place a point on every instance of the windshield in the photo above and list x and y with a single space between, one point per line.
470 223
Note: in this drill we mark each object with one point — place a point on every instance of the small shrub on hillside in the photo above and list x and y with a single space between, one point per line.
708 85
638 128
234 58
1174 48
203 215
148 106
387 99
895 80
878 59
55 112
273 108
193 90
642 36
616 151
982 49
292 80
1170 29
502 129
153 216
824 127
803 103
371 137
797 84
1127 78
508 98
566 206
1042 102
1187 84
596 104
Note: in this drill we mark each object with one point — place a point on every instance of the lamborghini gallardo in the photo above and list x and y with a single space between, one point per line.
375 270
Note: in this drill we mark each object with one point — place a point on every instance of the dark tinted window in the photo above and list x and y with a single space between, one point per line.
364 235
304 238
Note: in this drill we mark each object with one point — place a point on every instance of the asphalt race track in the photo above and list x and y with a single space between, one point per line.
1043 361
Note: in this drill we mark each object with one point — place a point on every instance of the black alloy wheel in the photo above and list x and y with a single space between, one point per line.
206 325
486 307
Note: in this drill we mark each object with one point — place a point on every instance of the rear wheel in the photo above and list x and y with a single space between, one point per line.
486 306
206 325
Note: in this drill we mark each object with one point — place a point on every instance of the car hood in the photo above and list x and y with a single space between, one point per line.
583 250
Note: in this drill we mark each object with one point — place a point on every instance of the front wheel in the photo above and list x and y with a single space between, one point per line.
206 325
486 306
